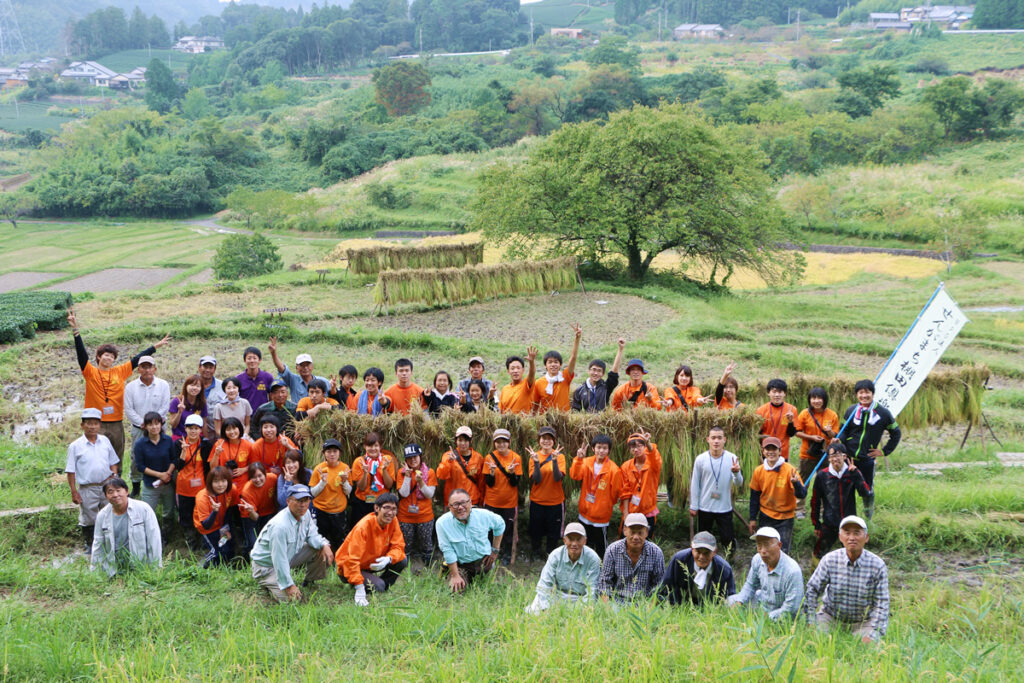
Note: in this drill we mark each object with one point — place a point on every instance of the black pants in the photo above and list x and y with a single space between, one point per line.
719 524
829 535
380 582
186 506
333 526
359 509
783 526
597 538
471 570
511 517
545 527
867 468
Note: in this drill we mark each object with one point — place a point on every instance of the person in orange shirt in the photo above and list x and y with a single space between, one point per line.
373 554
270 448
774 488
502 469
641 476
778 415
192 462
551 392
683 394
416 485
315 402
602 486
517 395
636 392
232 451
373 474
258 501
462 467
104 383
214 504
547 497
371 400
330 487
725 392
404 393
816 426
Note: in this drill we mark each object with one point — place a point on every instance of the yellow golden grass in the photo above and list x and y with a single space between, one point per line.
378 257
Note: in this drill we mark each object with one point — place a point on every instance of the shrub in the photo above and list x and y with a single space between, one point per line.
246 256
22 313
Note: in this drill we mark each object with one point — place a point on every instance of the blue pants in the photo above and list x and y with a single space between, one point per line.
217 553
252 529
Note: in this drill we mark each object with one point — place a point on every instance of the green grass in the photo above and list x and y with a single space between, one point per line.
126 60
25 115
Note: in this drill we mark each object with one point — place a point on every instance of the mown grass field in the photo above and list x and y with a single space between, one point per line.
126 60
25 115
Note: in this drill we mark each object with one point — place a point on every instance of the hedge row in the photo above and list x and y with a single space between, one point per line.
22 313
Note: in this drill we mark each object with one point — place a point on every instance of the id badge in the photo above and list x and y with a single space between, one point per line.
371 498
413 509
108 410
591 498
195 483
716 496
635 500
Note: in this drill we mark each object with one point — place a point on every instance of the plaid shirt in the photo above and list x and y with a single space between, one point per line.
622 579
852 592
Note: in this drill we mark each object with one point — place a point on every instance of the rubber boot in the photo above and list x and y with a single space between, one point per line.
136 485
87 535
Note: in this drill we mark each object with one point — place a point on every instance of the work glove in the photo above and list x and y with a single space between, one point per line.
380 563
361 596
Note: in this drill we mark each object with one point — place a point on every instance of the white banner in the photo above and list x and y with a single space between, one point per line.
936 326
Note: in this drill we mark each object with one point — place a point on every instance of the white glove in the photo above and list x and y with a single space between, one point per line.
361 596
380 563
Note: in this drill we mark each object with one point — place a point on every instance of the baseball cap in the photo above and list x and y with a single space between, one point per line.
147 359
207 360
704 539
770 441
550 431
854 519
574 528
767 532
501 434
476 359
92 414
277 383
196 420
412 450
299 492
331 443
637 362
637 519
303 358
464 431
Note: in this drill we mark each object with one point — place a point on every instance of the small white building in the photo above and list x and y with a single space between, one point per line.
92 73
129 81
699 31
197 45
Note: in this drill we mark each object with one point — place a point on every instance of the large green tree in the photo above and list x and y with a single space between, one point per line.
646 182
162 91
401 87
998 14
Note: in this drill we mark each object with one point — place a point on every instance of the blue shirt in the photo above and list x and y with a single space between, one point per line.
281 540
563 578
778 592
465 543
156 456
298 389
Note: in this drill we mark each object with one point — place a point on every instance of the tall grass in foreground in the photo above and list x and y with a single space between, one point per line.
184 623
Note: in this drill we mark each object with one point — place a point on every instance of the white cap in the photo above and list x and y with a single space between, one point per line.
574 528
147 359
853 519
303 358
464 431
196 420
92 414
637 519
207 360
766 532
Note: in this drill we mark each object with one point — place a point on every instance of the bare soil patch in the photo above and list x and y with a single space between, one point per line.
118 279
543 320
19 280
200 278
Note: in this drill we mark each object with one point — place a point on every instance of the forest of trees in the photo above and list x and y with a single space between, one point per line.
109 30
999 14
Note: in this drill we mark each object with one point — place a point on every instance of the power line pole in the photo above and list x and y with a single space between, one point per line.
11 42
531 26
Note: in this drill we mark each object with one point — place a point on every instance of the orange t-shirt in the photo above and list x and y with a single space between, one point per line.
775 423
402 399
640 484
239 452
623 392
548 491
454 478
558 399
204 506
332 499
360 465
270 454
305 403
691 396
805 423
414 508
516 398
599 492
104 389
191 478
264 498
502 494
778 499
365 543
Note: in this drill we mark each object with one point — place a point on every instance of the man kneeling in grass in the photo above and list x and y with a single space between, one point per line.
854 585
570 574
462 535
127 532
373 554
774 582
290 540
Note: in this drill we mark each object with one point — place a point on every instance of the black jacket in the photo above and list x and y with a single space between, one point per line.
678 587
835 498
602 392
860 436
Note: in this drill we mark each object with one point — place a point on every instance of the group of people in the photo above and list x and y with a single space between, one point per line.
230 468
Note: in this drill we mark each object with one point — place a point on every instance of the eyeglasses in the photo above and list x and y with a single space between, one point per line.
459 504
